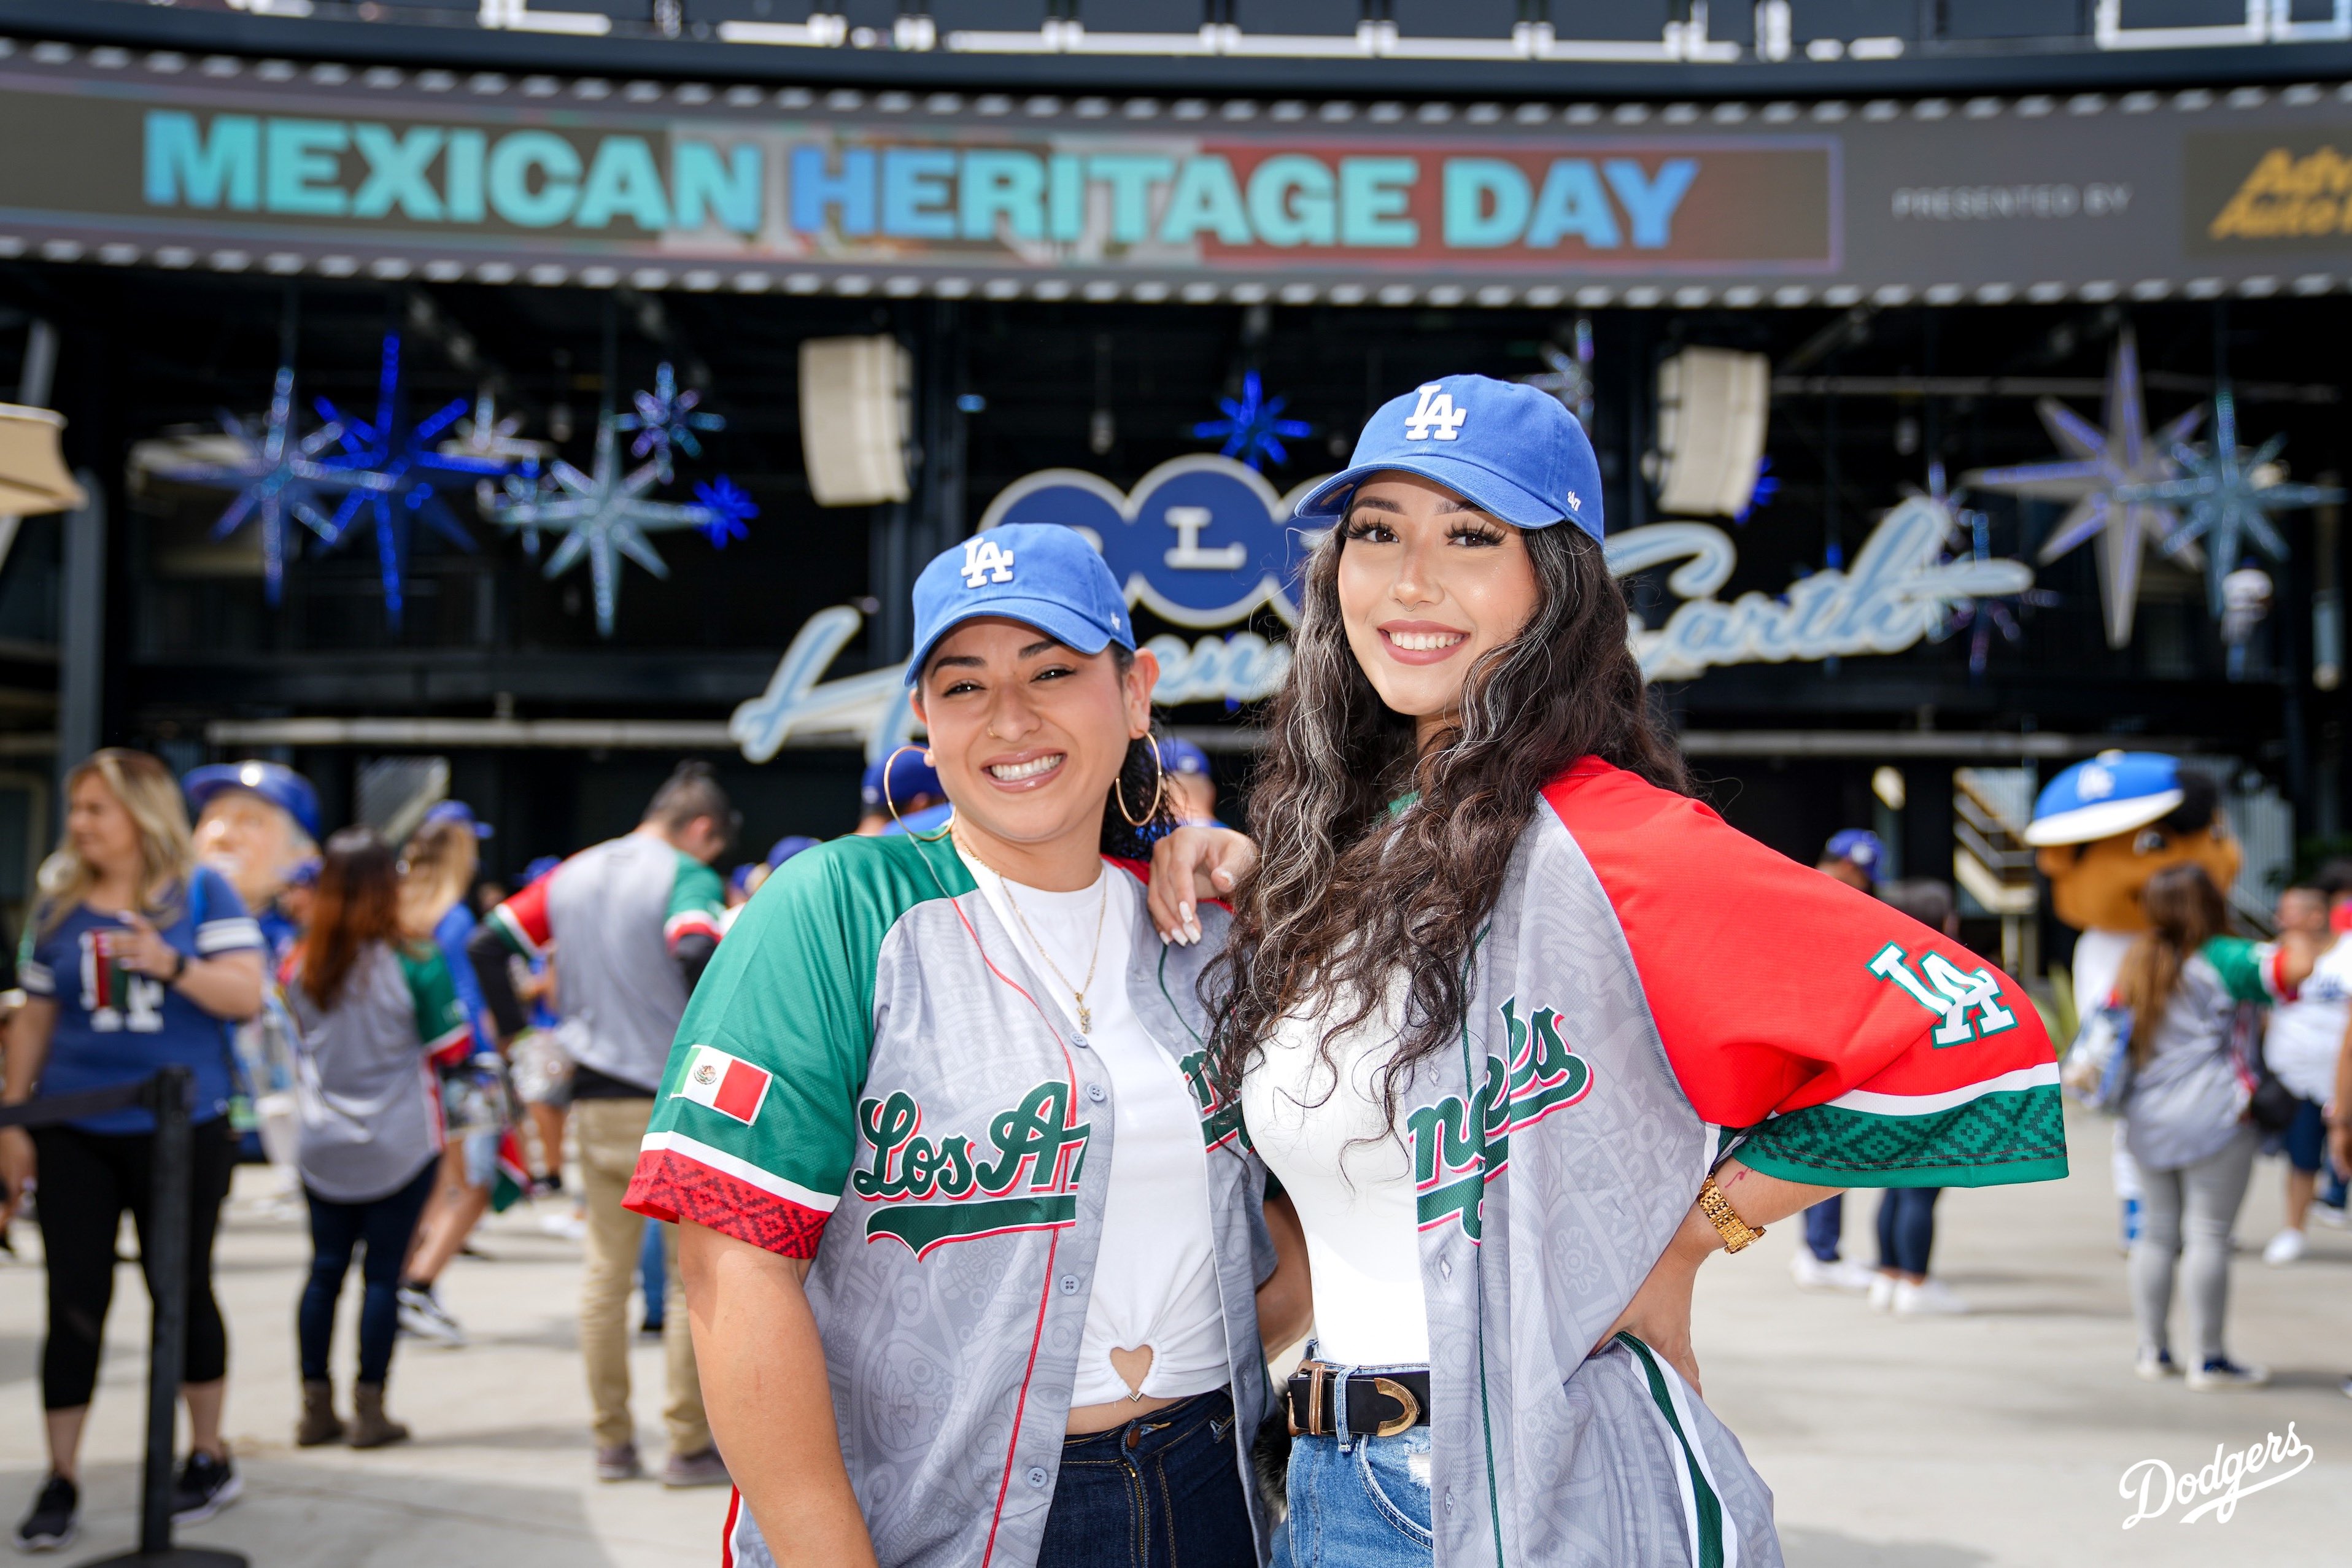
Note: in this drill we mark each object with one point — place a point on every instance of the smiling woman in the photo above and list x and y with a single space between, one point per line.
950 1074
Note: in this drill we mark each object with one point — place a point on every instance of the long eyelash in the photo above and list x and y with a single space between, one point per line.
1472 531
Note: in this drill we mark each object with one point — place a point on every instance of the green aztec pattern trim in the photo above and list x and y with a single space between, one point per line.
2013 1136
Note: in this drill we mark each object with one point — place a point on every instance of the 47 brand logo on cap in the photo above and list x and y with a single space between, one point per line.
727 1084
1434 415
985 561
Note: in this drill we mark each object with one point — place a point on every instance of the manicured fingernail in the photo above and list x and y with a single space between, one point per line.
1185 910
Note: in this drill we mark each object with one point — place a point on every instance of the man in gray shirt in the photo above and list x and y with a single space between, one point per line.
634 919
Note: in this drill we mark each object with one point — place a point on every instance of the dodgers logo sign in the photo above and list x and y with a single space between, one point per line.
1199 541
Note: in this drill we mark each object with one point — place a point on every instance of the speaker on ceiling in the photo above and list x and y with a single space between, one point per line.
855 413
1712 407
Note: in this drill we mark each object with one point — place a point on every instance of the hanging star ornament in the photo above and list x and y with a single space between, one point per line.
2230 494
2107 475
1969 534
277 474
605 515
1253 427
393 468
666 419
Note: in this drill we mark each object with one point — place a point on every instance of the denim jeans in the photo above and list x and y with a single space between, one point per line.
381 1231
1359 1502
1162 1491
1824 1221
1907 1228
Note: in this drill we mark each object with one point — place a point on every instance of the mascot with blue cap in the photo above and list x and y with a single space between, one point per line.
2102 829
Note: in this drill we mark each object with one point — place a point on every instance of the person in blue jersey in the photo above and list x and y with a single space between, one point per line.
441 858
135 958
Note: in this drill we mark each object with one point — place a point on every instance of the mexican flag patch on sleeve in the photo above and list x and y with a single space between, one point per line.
727 1084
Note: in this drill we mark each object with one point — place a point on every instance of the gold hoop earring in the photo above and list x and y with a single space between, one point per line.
1158 789
935 837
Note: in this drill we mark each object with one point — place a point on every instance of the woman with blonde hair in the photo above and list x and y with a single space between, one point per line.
135 958
437 872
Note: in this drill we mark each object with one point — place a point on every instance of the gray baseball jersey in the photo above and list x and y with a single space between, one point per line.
865 1077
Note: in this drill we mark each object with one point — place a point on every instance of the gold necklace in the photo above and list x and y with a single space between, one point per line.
1078 993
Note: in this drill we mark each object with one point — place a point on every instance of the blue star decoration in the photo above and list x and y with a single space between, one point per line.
1767 487
605 515
666 419
2229 495
1985 614
1253 427
277 477
392 467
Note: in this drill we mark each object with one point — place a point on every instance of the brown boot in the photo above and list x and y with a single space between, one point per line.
319 1424
371 1427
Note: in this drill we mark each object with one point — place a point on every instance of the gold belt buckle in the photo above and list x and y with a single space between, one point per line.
1404 1397
1315 1374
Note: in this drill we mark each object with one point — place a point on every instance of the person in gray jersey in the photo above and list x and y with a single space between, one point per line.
1526 1034
374 1010
637 918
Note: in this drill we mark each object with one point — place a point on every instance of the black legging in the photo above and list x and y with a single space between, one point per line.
87 1180
383 1226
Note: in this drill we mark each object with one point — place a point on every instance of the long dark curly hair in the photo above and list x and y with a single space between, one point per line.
1348 888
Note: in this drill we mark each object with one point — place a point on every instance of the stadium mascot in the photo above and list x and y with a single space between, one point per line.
2100 831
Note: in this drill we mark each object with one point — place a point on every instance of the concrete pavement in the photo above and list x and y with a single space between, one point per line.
1995 1439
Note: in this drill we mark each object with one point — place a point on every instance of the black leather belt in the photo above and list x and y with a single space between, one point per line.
1380 1404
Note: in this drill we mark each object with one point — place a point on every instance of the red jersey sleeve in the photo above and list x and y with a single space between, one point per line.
522 921
1854 1046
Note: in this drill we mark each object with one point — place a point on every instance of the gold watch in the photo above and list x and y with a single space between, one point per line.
1735 1232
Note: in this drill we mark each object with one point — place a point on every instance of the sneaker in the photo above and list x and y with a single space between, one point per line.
2329 1214
423 1315
2287 1247
564 1227
2222 1373
207 1486
2154 1366
1839 1274
618 1463
56 1518
650 1329
1928 1298
703 1470
1882 1293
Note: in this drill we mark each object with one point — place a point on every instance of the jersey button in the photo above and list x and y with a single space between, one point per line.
1037 1476
1070 1284
1095 1092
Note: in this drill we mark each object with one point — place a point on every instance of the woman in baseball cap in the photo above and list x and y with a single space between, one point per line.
1499 1000
975 1260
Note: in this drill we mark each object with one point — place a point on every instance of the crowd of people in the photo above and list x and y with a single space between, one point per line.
1051 1083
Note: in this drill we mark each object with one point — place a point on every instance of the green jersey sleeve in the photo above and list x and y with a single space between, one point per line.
697 901
2249 969
441 1023
756 1127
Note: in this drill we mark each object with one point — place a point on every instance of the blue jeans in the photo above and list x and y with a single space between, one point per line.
1363 1506
1823 1222
652 1275
1162 1491
383 1228
1907 1228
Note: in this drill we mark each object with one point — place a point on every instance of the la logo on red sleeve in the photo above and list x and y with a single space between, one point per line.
727 1084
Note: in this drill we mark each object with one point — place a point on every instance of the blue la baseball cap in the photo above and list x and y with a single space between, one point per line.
1513 450
785 848
903 774
460 813
1183 757
2114 792
1043 574
1857 846
540 868
273 782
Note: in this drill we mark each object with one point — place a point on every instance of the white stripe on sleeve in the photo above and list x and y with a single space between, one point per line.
226 936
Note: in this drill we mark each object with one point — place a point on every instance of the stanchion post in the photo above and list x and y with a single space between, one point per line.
171 1089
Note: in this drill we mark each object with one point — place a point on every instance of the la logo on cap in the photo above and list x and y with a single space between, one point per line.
1434 415
985 561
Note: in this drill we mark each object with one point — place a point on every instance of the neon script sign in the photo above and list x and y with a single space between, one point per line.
1203 542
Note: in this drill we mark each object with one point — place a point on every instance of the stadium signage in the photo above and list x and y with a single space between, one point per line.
1204 543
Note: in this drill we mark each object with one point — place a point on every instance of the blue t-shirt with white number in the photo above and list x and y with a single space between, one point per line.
116 1027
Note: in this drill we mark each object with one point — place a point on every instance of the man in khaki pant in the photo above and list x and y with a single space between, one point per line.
635 919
